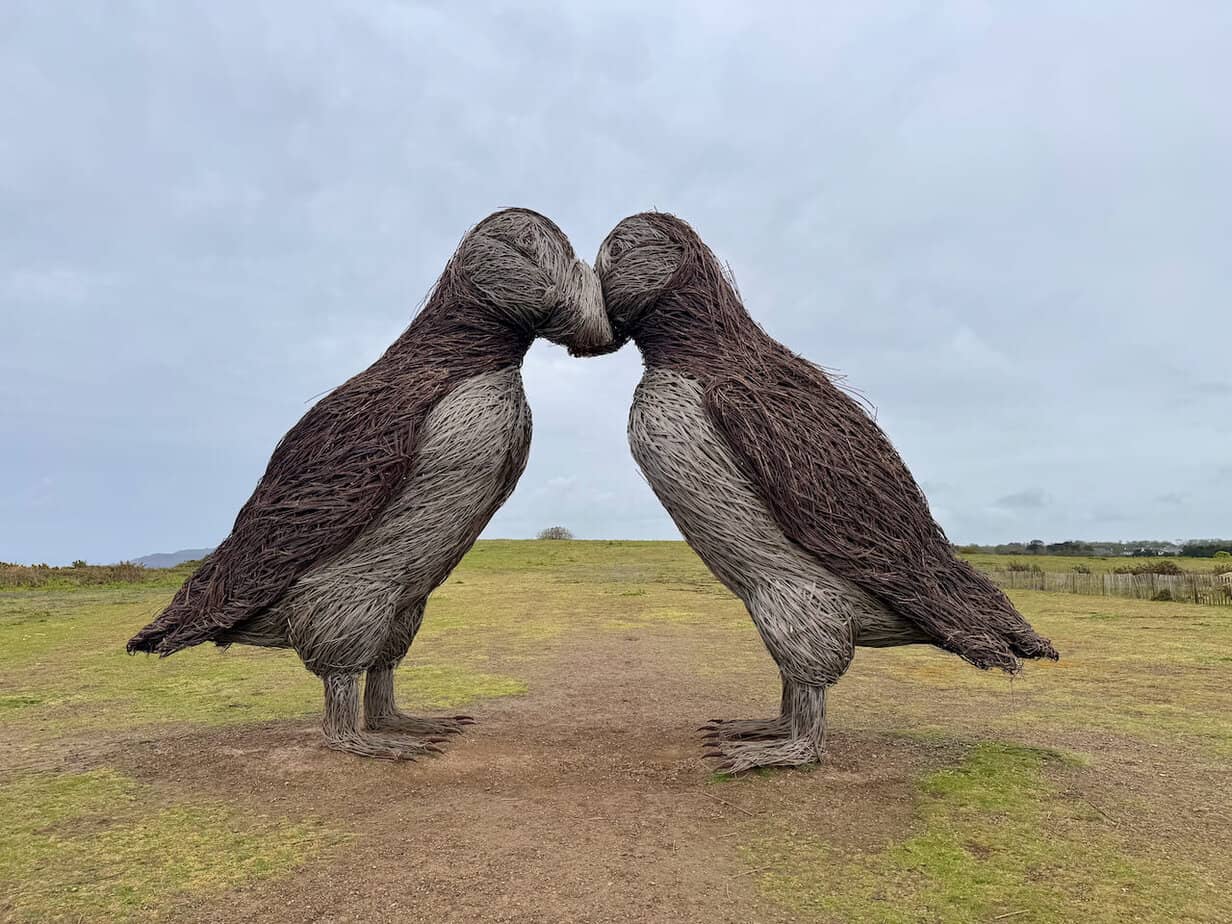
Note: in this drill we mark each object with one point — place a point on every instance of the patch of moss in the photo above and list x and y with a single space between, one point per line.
99 846
19 701
993 838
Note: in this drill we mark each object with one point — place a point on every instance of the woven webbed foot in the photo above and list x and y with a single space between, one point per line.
740 729
795 738
438 727
382 747
381 712
738 756
344 731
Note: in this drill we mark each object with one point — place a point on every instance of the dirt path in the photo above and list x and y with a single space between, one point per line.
585 800
1085 790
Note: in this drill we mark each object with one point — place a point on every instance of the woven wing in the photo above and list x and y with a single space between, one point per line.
328 478
839 489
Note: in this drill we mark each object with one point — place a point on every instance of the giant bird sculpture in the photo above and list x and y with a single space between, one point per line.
788 491
375 495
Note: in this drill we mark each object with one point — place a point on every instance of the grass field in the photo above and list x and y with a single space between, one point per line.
1062 563
194 788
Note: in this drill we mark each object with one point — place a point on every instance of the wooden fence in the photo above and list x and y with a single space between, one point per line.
1208 589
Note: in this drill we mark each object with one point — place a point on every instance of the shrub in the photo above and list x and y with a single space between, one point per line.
555 532
1222 553
1022 566
1206 548
79 563
1153 567
1081 569
80 574
1164 595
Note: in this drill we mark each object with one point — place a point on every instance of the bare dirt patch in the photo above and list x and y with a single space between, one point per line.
585 800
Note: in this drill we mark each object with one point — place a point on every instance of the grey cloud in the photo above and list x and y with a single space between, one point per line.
1009 234
1214 389
1031 499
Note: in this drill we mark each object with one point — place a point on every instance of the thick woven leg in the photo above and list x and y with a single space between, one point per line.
343 732
743 729
381 711
802 740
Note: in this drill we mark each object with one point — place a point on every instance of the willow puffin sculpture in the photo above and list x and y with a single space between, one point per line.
370 501
788 491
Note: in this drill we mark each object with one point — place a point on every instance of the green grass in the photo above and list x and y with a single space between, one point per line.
1133 667
99 846
63 669
993 838
987 561
71 675
1003 815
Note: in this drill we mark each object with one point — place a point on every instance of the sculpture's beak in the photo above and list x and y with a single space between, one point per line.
579 321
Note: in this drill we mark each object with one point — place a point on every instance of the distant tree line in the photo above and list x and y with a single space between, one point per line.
1207 548
1140 548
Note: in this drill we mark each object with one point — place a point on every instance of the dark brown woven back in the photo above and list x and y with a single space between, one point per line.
825 469
337 468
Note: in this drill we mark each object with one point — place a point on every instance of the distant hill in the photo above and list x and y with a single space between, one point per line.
171 559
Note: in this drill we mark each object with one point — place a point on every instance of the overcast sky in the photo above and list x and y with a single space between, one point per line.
1009 225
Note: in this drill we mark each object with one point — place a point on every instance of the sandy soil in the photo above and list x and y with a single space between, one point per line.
586 800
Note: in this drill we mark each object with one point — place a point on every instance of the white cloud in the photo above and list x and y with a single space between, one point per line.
1006 224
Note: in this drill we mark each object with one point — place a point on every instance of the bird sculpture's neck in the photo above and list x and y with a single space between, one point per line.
456 335
696 330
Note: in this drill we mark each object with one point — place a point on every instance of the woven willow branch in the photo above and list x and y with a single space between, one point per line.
778 434
513 277
375 495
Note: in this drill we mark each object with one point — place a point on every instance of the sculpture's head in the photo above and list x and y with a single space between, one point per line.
638 262
527 276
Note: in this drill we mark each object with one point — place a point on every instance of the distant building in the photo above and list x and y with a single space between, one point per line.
1146 551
